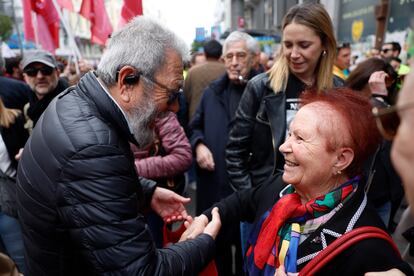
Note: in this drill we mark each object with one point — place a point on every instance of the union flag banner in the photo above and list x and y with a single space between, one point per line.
95 12
41 23
130 9
66 4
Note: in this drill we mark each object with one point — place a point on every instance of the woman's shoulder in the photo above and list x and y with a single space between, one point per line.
259 85
260 79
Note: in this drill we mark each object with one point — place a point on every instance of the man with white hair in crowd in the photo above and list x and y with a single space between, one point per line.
81 201
210 130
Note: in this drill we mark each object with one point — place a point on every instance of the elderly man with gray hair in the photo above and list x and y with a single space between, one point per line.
210 131
81 201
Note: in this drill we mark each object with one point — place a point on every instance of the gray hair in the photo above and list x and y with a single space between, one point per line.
251 43
142 43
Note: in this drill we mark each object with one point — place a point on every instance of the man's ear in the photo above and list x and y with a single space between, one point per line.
344 159
127 79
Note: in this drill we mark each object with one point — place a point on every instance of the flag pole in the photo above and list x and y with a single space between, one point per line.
17 30
34 20
69 33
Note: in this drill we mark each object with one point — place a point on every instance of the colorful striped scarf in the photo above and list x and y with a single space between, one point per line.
279 228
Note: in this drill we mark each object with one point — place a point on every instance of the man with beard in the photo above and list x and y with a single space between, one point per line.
42 75
81 202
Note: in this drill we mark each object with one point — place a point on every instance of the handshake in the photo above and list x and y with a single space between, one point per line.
170 207
200 224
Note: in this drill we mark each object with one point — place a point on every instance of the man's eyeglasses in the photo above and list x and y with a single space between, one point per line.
45 70
386 50
172 94
388 120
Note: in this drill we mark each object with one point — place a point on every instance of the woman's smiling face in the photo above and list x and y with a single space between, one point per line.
309 165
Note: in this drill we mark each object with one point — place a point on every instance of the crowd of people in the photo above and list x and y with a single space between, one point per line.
290 156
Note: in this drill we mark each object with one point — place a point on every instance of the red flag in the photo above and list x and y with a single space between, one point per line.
130 9
66 4
46 25
101 27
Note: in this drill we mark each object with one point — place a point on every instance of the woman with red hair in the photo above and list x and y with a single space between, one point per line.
319 197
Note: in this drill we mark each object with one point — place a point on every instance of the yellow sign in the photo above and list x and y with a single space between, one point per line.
357 29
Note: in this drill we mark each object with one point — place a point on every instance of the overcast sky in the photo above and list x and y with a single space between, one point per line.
183 16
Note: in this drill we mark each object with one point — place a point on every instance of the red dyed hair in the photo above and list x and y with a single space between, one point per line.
356 112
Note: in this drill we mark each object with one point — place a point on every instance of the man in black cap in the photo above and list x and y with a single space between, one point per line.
41 74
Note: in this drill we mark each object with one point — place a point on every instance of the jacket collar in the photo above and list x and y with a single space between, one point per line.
220 84
338 224
107 107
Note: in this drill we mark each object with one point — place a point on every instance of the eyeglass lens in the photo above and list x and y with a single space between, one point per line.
173 96
32 71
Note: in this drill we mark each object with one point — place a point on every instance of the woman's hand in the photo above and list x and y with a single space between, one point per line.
214 226
169 205
280 271
391 272
377 83
200 225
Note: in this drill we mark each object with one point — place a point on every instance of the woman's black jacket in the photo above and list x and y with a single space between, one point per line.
257 131
368 255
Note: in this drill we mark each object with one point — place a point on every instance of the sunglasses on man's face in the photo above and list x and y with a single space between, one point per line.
388 120
32 71
386 50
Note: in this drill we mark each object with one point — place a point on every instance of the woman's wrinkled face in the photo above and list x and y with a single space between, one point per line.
302 48
308 163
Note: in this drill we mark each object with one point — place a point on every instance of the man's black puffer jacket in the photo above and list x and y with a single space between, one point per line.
80 199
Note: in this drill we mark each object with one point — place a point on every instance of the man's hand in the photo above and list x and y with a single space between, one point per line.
200 225
194 227
169 205
204 157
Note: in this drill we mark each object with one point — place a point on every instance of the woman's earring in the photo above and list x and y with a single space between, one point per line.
324 53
